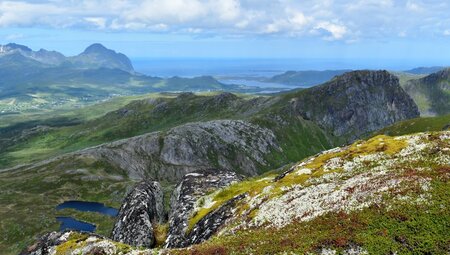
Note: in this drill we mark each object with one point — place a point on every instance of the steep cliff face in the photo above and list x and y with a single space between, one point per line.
431 93
356 103
184 201
141 209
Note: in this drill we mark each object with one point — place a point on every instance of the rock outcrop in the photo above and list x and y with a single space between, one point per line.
183 201
76 243
141 209
356 103
45 244
228 144
212 222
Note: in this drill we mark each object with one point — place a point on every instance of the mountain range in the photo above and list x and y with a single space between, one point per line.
215 172
44 79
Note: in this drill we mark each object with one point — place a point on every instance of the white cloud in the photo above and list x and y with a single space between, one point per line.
328 19
97 21
334 31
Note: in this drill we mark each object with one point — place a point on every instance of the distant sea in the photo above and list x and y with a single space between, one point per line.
190 67
251 71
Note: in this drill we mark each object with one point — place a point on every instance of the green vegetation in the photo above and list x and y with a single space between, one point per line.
410 219
78 129
29 200
255 186
431 93
407 229
412 126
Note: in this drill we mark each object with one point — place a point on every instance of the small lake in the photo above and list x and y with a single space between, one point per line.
83 206
88 207
69 223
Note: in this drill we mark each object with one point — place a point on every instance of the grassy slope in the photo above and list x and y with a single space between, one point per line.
417 125
431 94
141 117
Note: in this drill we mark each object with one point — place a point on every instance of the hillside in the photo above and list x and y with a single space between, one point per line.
423 124
165 138
379 196
272 112
425 70
431 93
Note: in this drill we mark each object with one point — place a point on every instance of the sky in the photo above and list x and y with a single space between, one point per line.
410 31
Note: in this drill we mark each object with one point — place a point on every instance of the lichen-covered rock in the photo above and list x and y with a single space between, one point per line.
76 243
142 208
193 186
45 244
212 222
356 103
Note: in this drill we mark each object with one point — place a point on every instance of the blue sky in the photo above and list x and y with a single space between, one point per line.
414 31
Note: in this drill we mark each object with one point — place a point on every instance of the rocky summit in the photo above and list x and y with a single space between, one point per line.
141 210
356 103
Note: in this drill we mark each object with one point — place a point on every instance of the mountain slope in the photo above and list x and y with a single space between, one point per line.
287 115
423 124
385 195
431 93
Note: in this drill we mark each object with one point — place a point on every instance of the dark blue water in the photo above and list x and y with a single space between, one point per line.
88 207
69 223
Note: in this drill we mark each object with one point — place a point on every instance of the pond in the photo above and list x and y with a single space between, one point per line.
69 223
88 207
83 206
